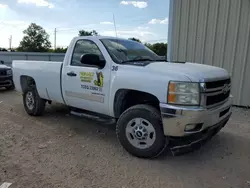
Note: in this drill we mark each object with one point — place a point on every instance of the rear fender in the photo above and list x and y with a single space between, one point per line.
28 81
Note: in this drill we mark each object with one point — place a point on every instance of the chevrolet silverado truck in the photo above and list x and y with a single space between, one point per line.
155 103
6 77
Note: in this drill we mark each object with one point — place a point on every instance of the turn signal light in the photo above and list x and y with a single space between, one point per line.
172 98
171 87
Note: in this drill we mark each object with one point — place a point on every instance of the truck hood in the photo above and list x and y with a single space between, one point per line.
195 72
4 67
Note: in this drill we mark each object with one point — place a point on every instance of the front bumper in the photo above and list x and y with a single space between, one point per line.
210 121
175 118
6 81
180 145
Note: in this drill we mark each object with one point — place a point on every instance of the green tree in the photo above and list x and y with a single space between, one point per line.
159 48
35 39
88 33
135 39
3 50
60 50
150 46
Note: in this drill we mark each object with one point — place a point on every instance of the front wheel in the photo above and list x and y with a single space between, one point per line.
140 131
33 104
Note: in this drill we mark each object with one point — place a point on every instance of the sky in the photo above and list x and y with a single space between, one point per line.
144 19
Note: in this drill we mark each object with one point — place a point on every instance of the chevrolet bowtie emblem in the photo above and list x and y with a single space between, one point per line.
225 88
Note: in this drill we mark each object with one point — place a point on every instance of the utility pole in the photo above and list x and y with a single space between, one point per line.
55 38
10 42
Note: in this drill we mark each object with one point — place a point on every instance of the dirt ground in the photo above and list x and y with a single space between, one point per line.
60 150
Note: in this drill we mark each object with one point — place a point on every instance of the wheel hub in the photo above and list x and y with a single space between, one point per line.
140 133
30 101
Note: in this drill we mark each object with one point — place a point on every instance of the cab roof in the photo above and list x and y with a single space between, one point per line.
99 37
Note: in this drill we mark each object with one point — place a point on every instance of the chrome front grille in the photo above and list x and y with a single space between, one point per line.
217 98
217 84
215 93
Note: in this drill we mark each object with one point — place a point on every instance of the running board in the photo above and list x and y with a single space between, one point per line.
94 117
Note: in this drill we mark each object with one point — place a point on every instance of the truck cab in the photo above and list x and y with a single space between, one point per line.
155 103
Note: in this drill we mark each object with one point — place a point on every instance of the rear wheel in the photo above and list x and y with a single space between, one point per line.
140 131
33 104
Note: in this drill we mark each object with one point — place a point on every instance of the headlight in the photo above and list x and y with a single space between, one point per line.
183 93
9 72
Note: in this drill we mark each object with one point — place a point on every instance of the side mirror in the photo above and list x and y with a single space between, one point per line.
1 62
92 59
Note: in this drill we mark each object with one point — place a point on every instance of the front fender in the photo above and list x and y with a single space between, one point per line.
139 81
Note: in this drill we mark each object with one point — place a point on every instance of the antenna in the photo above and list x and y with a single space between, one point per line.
55 38
114 25
116 33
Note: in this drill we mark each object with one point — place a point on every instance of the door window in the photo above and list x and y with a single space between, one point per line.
83 47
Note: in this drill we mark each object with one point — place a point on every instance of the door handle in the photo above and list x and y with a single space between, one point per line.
71 74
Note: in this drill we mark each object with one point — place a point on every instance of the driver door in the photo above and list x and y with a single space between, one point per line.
86 86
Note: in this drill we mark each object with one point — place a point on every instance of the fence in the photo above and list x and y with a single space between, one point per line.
8 57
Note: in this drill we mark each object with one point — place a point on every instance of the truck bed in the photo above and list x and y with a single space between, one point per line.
47 75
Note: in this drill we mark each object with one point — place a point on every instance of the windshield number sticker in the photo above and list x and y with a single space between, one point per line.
114 68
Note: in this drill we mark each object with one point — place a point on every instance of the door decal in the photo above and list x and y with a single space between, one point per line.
99 81
94 83
86 76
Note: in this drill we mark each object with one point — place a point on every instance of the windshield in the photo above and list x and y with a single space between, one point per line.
122 51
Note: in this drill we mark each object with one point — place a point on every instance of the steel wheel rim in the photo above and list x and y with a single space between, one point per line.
140 133
30 101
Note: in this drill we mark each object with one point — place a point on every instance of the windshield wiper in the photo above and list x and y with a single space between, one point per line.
145 59
136 60
161 60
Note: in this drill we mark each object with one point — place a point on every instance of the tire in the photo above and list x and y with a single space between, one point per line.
147 115
37 109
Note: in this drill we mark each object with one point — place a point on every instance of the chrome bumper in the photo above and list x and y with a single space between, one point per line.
175 118
181 145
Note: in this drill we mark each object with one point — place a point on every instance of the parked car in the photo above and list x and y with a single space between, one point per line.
6 76
156 104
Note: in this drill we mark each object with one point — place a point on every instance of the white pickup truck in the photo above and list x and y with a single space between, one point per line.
156 104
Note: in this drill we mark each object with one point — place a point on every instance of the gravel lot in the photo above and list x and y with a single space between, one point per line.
59 150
